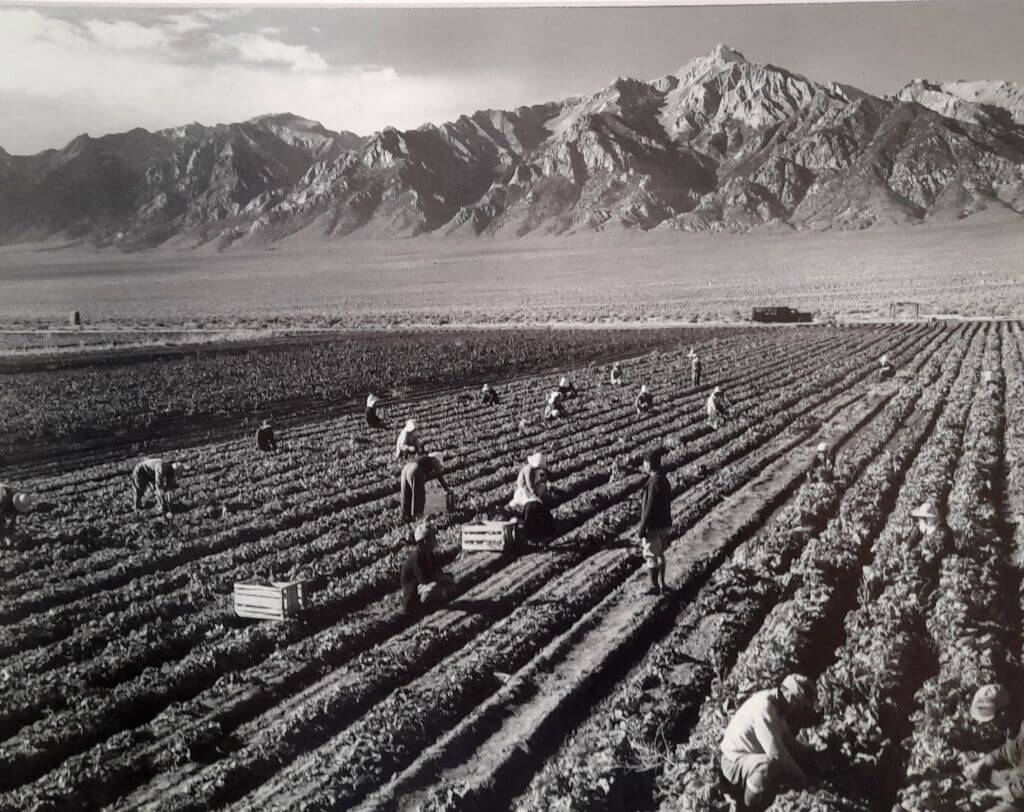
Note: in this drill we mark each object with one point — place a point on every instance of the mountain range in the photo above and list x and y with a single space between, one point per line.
722 144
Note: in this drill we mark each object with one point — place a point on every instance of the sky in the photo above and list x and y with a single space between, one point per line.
68 69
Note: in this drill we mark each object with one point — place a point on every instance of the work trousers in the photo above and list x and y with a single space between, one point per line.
538 523
413 485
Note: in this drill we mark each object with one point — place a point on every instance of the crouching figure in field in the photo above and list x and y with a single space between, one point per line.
759 753
159 475
1001 770
424 583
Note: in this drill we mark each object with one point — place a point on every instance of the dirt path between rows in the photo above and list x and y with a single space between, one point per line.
493 744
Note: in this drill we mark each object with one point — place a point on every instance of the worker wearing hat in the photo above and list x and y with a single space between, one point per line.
1002 768
373 420
759 753
717 407
615 376
531 496
408 443
424 583
931 535
696 367
412 483
158 474
12 504
567 387
488 397
822 466
265 440
885 369
644 401
655 519
555 407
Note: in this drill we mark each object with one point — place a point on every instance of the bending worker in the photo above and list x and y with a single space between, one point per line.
644 401
717 407
265 440
931 536
822 465
373 420
566 387
1003 768
424 583
12 504
555 406
885 369
488 397
408 443
759 752
157 474
655 519
530 496
413 483
615 376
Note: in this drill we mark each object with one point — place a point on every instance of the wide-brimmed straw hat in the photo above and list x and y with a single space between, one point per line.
537 460
410 425
265 424
926 510
716 390
371 400
988 701
885 358
643 389
822 447
423 531
798 689
563 381
486 386
24 502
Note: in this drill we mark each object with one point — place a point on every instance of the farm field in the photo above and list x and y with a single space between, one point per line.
551 681
972 268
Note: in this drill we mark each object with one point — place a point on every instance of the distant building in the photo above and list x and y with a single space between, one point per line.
780 314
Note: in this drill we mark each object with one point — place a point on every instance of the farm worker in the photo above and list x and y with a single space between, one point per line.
822 465
158 474
373 419
423 581
615 376
655 519
759 752
644 401
885 369
12 503
696 365
265 437
717 407
566 387
931 536
488 397
555 406
413 480
408 441
991 705
530 496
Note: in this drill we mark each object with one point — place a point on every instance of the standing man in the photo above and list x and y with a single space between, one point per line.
655 519
759 753
413 480
615 376
12 504
157 474
424 583
488 397
408 443
1003 768
644 401
373 420
696 366
265 440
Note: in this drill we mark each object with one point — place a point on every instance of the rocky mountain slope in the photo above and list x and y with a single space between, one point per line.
722 144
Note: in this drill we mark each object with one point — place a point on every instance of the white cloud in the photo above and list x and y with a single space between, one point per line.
260 49
186 23
125 35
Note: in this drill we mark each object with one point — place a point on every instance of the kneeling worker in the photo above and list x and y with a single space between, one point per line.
759 752
644 401
413 483
424 583
488 397
12 503
373 419
530 496
991 705
822 465
265 440
555 406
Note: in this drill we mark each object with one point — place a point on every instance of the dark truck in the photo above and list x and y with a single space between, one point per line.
780 314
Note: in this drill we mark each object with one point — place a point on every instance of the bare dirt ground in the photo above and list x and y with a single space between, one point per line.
973 268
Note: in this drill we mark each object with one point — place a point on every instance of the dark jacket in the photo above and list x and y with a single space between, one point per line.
656 509
489 398
420 567
644 402
372 418
265 439
1010 756
8 513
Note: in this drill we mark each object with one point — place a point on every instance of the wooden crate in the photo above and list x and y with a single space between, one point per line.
491 537
278 600
436 500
